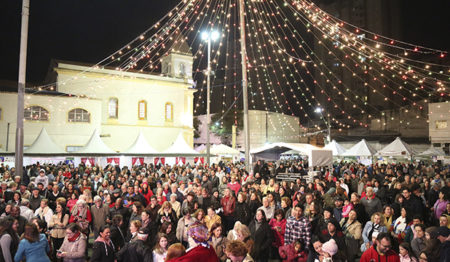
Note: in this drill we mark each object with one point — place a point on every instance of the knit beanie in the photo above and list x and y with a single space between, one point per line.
330 247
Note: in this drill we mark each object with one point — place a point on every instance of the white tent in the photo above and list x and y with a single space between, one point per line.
44 145
141 146
180 147
337 149
222 150
95 145
316 156
397 148
433 151
362 148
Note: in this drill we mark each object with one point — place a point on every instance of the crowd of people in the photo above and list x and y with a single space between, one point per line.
350 212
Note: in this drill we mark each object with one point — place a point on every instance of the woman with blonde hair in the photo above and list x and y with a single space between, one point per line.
166 214
81 215
375 225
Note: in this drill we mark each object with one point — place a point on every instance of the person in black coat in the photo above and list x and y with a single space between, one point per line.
103 249
263 236
117 234
136 251
242 212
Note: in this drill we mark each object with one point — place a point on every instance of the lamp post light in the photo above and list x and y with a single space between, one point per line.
209 36
320 110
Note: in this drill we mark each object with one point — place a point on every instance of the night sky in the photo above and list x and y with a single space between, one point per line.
89 30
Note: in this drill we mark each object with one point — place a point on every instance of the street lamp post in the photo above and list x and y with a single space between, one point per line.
208 37
327 122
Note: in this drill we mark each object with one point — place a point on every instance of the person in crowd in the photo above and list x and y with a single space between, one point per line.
418 242
183 225
381 250
74 246
443 234
294 252
212 218
117 233
44 212
370 202
138 250
160 249
297 227
81 215
57 227
15 213
169 231
262 236
242 210
330 250
99 213
237 252
405 253
174 251
9 240
267 208
400 226
372 226
218 241
135 225
33 246
388 217
352 230
103 249
166 214
228 203
278 225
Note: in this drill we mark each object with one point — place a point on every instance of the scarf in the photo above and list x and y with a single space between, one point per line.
74 237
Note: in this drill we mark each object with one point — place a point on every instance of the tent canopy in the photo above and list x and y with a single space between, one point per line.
95 145
397 148
362 148
44 145
433 151
316 156
336 148
141 146
180 147
221 150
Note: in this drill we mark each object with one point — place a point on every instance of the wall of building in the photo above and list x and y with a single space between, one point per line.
279 128
439 122
63 132
91 89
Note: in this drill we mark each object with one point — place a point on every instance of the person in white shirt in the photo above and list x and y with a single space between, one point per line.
25 210
44 212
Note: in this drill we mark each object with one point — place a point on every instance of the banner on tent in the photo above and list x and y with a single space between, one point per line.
199 159
113 160
88 160
158 160
180 160
137 161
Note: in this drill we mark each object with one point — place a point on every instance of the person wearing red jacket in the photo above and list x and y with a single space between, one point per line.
381 251
294 252
228 203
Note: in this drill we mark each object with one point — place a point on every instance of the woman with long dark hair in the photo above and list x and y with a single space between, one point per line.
262 235
58 224
9 240
33 246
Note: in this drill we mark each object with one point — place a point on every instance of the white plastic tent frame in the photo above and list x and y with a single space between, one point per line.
362 148
95 146
180 148
397 148
336 148
141 147
44 145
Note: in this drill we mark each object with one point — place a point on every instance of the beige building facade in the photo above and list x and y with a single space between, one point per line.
119 104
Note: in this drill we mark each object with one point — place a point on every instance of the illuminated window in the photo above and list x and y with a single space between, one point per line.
35 113
169 111
73 148
113 107
441 124
142 110
79 115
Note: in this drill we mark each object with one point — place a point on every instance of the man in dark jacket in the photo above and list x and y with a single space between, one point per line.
35 199
412 204
443 233
136 251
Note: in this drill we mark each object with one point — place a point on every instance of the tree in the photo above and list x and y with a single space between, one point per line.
196 125
221 125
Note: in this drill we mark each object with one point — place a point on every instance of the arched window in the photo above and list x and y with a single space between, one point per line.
182 69
79 115
169 111
113 107
35 113
142 110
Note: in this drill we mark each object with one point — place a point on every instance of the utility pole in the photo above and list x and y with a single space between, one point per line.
208 110
21 87
244 85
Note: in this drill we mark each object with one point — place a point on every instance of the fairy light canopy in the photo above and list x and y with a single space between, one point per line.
299 57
